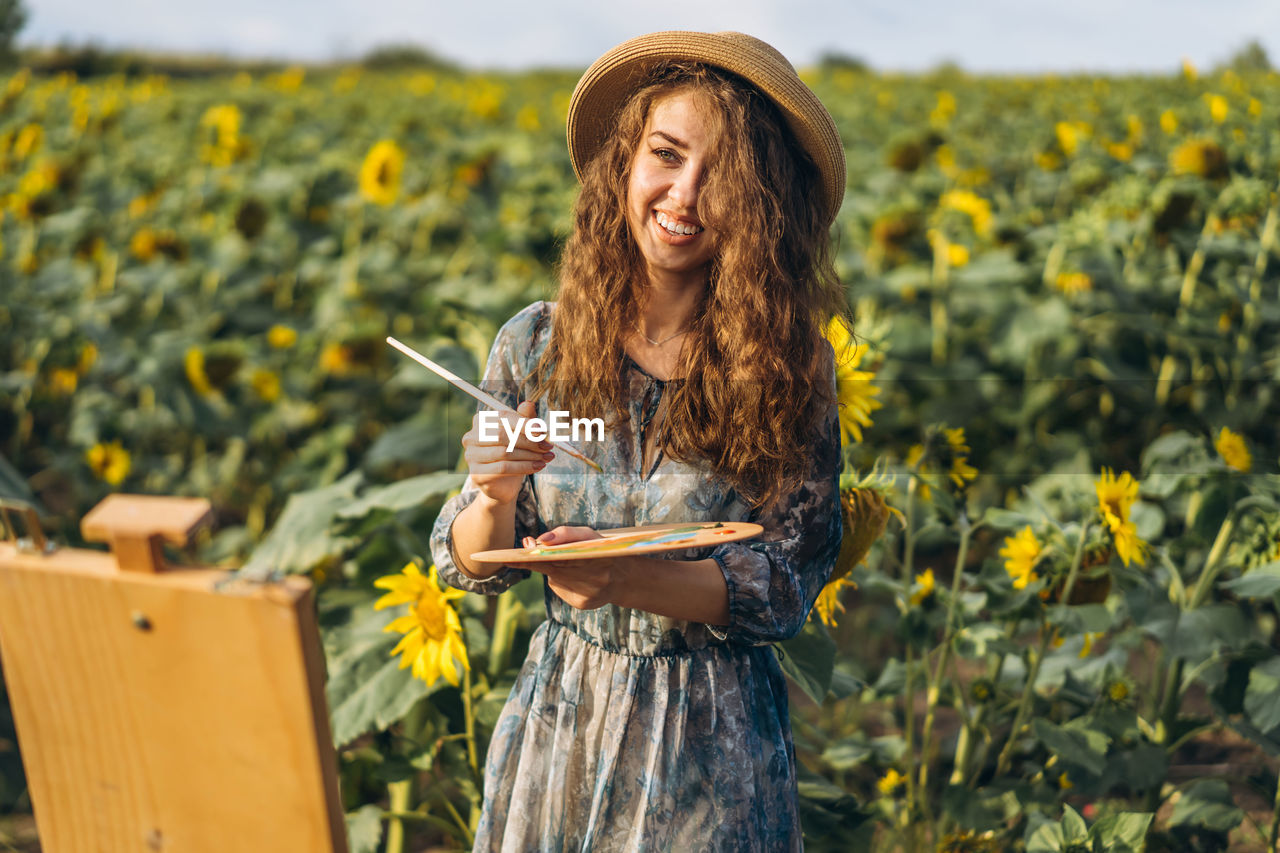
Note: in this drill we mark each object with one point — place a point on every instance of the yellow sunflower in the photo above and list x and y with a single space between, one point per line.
857 396
266 384
1115 496
281 337
1231 447
1072 283
891 782
977 208
110 462
961 471
1202 157
1129 546
432 640
380 172
828 602
924 587
224 145
193 364
1021 552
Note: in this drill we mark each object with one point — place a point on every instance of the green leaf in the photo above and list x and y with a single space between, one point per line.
1004 519
808 659
1261 582
367 690
1262 698
1148 519
301 539
405 494
1207 804
1045 838
1085 747
1196 634
1074 829
847 753
892 680
364 829
1122 832
1171 450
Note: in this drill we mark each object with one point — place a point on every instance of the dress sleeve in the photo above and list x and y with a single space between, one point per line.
773 582
442 542
506 377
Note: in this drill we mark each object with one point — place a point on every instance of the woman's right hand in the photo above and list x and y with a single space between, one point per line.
495 472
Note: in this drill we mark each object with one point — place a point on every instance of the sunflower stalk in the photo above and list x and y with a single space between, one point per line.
965 744
1249 323
944 657
398 796
467 832
1164 378
472 760
1213 563
420 817
908 710
1028 690
939 318
505 621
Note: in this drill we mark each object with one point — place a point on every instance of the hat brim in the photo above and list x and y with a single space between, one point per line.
612 78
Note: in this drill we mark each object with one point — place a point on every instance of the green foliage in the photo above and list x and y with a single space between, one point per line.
398 57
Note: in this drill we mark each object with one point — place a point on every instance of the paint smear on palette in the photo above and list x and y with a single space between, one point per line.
665 537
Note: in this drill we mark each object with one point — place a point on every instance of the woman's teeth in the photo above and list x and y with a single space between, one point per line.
676 228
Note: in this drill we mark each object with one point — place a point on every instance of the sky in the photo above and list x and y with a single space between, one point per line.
907 35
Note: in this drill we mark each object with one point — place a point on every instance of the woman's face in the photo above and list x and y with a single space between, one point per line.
662 195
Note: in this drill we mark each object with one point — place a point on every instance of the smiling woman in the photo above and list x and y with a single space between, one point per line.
651 712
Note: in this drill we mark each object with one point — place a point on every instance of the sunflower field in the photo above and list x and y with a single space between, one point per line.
1060 406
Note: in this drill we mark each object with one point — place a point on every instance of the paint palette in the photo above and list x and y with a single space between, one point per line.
624 541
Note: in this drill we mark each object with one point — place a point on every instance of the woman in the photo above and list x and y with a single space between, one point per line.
651 713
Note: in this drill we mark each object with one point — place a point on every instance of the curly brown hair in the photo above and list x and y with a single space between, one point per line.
755 373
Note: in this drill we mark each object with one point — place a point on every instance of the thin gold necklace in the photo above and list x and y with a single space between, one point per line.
664 340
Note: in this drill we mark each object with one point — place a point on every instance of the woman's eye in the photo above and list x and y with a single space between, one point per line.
665 154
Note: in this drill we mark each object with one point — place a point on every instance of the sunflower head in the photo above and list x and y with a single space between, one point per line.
828 603
1021 551
924 587
1116 495
855 393
891 782
865 515
1202 157
432 642
380 172
1231 447
109 462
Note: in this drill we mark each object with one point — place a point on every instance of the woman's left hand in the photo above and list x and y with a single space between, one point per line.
584 584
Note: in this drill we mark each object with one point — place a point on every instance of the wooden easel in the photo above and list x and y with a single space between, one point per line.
163 709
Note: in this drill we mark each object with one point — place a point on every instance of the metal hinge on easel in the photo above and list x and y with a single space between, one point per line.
34 542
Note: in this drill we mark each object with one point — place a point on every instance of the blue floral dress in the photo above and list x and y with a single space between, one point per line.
626 730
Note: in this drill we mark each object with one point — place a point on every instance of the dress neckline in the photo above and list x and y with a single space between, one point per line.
646 374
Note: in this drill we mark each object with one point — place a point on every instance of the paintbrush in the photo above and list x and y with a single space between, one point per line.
488 399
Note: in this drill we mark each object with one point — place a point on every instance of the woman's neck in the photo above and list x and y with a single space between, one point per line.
662 324
668 305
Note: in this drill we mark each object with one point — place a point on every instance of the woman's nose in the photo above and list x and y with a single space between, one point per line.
684 189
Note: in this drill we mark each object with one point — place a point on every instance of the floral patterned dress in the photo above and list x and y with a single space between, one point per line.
626 730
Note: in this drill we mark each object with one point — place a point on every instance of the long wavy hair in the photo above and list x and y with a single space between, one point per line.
755 371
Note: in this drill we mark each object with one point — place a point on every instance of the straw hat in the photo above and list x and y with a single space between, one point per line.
613 77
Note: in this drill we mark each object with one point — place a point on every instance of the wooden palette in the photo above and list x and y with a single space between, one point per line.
623 541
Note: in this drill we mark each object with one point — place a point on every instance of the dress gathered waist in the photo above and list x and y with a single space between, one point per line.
642 644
